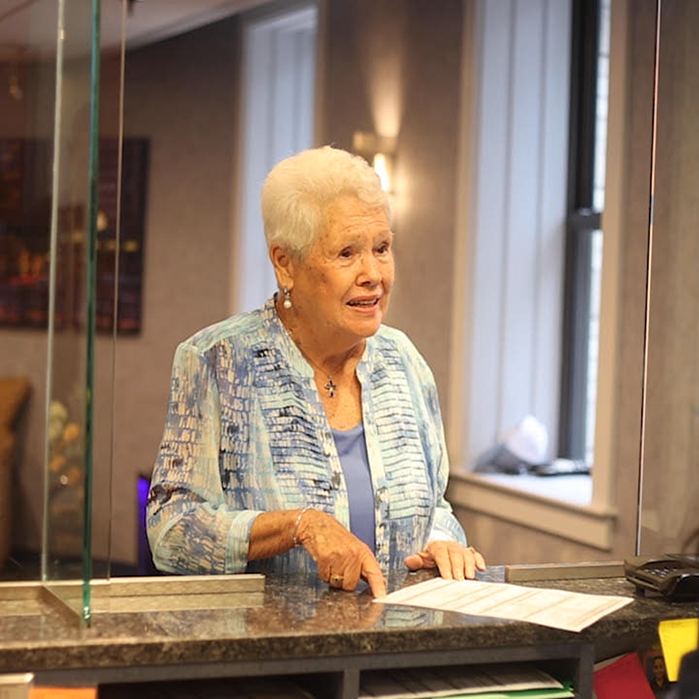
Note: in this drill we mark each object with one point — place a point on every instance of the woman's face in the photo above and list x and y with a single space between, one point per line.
342 286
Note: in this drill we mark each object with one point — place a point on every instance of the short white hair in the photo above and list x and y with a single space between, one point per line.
298 189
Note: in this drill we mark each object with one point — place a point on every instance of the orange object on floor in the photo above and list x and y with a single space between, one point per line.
63 693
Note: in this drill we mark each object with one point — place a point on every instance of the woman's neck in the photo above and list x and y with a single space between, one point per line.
328 355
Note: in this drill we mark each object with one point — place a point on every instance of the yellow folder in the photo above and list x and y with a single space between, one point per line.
677 637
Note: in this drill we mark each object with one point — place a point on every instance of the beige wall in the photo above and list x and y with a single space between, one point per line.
394 68
671 458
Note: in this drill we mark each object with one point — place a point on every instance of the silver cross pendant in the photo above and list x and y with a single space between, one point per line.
330 387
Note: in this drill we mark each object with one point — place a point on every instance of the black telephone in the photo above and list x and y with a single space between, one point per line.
675 576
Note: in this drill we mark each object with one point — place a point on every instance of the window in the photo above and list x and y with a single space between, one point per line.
518 213
534 252
589 98
279 50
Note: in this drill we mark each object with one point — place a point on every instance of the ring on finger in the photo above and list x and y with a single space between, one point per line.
336 580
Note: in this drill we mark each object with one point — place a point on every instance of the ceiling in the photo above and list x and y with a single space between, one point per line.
28 27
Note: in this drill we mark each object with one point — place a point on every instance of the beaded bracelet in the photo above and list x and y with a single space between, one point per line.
296 526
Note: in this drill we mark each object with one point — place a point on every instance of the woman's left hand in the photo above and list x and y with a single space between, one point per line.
452 560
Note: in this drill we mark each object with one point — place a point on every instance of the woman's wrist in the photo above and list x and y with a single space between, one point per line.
295 536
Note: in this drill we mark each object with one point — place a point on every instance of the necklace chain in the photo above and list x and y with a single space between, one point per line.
330 386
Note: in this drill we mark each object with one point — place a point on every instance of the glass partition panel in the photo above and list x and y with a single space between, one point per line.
669 516
114 268
174 98
66 542
46 109
47 92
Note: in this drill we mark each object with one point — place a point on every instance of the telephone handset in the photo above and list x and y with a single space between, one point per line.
675 576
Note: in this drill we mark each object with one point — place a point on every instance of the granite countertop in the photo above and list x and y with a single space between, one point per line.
298 617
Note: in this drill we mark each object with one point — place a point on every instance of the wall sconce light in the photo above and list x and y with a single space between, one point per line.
379 151
14 88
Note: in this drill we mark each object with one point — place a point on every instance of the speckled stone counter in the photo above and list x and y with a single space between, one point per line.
299 626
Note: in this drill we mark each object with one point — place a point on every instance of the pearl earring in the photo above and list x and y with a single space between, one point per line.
287 298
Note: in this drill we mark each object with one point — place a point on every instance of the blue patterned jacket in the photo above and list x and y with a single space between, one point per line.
246 433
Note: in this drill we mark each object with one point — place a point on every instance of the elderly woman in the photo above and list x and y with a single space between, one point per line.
307 435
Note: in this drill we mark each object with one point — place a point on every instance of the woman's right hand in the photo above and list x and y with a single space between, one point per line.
341 557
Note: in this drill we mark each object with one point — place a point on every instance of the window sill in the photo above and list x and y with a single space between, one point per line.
572 489
535 506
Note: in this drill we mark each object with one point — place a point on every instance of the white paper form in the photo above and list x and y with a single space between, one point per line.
426 683
571 611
